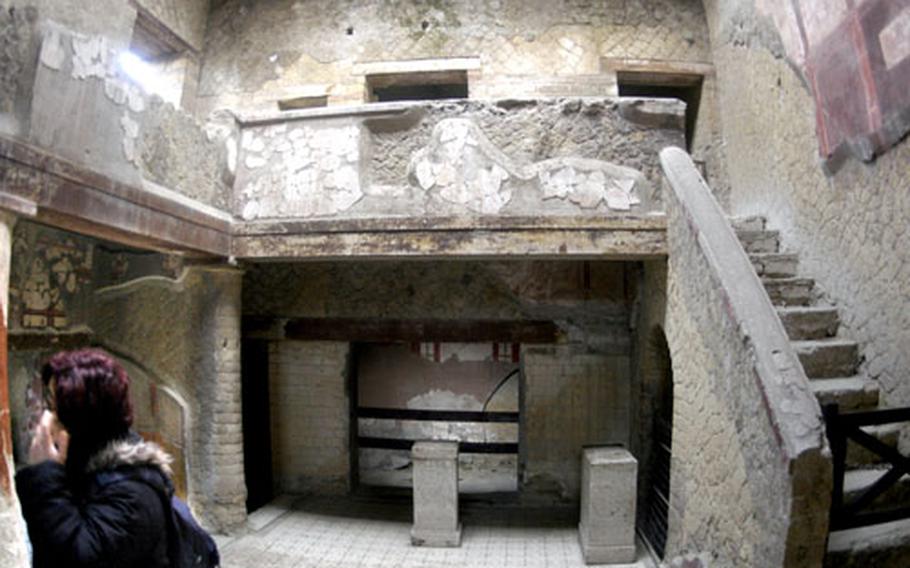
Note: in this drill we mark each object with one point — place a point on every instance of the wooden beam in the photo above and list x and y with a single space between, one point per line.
541 243
459 331
34 340
62 194
436 415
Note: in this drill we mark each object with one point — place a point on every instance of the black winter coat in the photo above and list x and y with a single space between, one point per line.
90 523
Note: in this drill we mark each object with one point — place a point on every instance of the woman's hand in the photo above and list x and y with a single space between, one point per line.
50 442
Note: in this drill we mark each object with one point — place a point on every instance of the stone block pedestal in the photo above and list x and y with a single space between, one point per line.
435 494
608 488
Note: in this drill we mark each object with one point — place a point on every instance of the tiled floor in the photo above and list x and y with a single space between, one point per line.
323 533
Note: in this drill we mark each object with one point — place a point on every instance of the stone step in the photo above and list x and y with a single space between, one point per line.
850 393
856 481
749 223
789 291
809 322
775 264
827 358
859 457
880 546
759 241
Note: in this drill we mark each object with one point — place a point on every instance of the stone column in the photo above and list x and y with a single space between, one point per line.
607 527
218 430
12 532
435 494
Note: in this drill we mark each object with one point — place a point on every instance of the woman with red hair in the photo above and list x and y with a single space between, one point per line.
78 512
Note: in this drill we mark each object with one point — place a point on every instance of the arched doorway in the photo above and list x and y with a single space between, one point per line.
657 452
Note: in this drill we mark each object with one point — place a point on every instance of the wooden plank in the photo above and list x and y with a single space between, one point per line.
874 417
870 518
651 222
27 340
436 415
460 331
463 447
551 244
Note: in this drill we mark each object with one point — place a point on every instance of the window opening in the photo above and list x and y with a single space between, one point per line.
429 85
158 60
683 86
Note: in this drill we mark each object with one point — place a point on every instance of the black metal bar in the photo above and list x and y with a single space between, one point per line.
436 415
875 417
880 486
843 426
870 442
463 447
838 444
870 518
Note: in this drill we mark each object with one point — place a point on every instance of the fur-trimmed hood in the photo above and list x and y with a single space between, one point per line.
133 452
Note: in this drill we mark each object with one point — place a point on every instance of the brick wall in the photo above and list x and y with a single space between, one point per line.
310 416
571 399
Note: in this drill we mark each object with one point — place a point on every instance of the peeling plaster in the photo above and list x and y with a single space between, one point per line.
53 53
316 169
469 170
90 56
446 399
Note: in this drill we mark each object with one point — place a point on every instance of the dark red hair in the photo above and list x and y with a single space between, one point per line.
91 392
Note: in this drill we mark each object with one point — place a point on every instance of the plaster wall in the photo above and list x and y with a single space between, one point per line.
533 157
86 110
310 413
850 227
480 377
22 24
254 54
571 399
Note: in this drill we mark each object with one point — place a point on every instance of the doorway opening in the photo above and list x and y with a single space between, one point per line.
683 86
257 437
658 451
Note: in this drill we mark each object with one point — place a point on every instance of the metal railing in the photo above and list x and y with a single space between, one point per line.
844 426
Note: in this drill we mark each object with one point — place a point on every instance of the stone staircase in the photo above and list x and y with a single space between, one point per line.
831 362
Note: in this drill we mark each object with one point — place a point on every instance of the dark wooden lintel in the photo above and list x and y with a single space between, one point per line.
25 340
463 447
459 331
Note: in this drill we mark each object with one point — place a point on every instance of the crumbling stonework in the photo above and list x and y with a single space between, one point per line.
858 215
595 316
562 157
